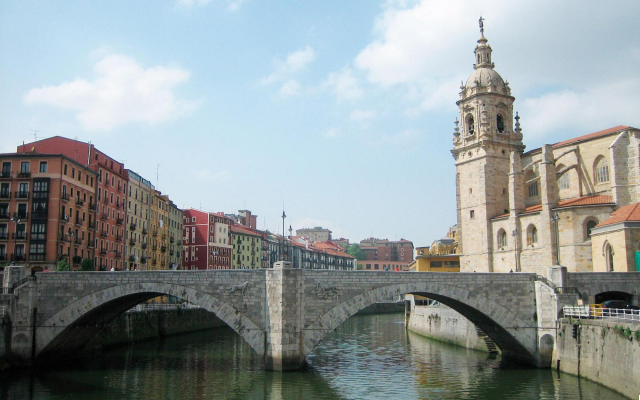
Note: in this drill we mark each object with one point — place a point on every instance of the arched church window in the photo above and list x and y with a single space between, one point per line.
563 181
608 256
591 223
532 187
500 123
502 238
470 125
532 235
602 170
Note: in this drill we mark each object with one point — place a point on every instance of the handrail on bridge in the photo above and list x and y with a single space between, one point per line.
546 281
21 282
618 314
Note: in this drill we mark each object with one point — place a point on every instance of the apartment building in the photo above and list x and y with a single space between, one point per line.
206 240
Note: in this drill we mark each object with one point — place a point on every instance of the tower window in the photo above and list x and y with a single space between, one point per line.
472 214
502 239
500 123
470 125
532 235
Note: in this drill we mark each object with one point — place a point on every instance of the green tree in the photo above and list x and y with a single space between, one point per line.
63 266
355 251
87 265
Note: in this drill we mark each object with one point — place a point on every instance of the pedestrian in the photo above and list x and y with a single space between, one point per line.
112 269
46 269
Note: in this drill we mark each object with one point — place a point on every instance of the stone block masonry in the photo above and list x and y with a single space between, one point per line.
283 313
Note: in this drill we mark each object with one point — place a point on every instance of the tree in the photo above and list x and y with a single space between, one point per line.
63 266
355 251
87 265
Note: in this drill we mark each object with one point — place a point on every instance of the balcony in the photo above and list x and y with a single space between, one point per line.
119 221
79 221
155 233
118 238
64 218
40 214
22 215
144 231
4 235
132 258
5 175
64 196
104 234
19 257
90 244
144 245
24 174
171 252
5 195
155 247
105 216
79 202
163 249
22 194
143 260
36 257
132 242
153 262
118 254
40 195
65 238
172 239
164 236
92 206
103 251
78 241
106 200
91 224
132 226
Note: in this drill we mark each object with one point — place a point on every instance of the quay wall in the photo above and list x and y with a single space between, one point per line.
446 325
382 308
605 352
136 326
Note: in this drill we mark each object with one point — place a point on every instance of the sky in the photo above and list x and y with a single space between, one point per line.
342 111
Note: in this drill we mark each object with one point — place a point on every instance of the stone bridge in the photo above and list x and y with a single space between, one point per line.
283 313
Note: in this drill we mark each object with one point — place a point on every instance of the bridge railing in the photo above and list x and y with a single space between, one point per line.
22 282
617 314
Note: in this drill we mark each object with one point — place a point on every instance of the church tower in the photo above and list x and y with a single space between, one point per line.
485 144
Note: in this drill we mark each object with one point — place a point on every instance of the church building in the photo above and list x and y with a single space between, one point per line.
572 203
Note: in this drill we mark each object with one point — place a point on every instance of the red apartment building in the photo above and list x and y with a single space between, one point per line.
46 210
110 191
206 240
387 250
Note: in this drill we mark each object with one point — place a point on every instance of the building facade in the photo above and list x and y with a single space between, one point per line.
525 211
316 234
247 248
139 195
47 211
387 250
206 240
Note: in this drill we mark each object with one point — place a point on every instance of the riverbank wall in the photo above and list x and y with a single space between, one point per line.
383 308
135 326
605 352
442 323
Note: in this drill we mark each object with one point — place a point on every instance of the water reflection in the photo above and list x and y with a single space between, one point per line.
368 357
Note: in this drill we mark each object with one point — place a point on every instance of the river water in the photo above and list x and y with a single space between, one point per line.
368 357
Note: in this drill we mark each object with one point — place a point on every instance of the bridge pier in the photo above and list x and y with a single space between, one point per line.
283 333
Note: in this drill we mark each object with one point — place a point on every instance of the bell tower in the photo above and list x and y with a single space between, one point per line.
483 140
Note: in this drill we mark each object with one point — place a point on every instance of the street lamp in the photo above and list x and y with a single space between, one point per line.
70 235
514 233
16 220
282 251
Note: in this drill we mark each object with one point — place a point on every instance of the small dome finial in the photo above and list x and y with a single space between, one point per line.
481 23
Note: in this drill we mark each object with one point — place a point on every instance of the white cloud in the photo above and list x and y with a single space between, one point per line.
290 88
294 62
581 111
363 115
212 176
122 92
332 132
345 85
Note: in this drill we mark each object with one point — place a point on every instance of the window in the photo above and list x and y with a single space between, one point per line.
532 235
500 123
608 254
502 238
73 172
65 169
43 166
470 125
602 170
6 169
589 227
38 231
563 181
472 214
532 184
24 167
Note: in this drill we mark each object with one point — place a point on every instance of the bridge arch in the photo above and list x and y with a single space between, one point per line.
74 325
517 338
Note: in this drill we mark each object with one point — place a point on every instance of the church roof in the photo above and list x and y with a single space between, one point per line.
584 138
575 202
630 212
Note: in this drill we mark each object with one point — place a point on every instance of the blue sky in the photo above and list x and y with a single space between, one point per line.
343 110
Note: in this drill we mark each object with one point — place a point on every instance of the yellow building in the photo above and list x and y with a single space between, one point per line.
440 257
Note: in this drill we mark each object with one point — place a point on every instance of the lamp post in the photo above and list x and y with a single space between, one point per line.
556 219
16 220
71 235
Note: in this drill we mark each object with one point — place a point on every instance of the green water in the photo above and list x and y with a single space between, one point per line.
368 357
